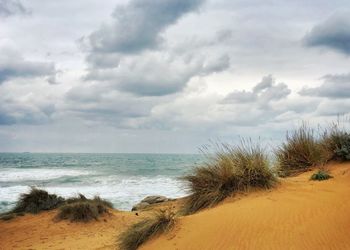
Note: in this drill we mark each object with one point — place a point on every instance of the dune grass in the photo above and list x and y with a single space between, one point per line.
37 200
81 209
76 209
230 169
301 152
320 175
337 141
160 222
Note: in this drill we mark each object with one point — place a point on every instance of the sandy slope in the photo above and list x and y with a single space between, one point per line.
40 232
299 214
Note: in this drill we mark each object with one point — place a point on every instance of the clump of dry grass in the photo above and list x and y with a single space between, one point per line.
301 152
81 209
37 200
336 141
137 234
231 169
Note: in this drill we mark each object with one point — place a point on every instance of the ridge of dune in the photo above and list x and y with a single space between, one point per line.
298 214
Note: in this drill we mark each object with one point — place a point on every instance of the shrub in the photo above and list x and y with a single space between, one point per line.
8 216
229 170
321 175
81 209
337 142
140 232
37 200
300 152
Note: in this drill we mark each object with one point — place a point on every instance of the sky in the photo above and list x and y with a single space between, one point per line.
168 76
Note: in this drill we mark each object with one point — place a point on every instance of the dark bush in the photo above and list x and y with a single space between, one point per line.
321 175
37 200
8 216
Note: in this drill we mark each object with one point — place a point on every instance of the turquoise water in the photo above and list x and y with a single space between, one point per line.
124 179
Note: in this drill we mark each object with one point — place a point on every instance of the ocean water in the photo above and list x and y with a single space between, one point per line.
124 179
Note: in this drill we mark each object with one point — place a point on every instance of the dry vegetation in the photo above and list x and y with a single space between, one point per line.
37 200
304 149
74 209
161 221
336 140
300 152
231 169
81 209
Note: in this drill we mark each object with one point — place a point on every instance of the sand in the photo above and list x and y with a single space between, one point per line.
298 214
40 232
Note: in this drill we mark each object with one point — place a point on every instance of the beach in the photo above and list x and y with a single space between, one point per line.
297 214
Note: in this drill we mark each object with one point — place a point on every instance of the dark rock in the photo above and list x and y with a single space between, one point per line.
148 201
139 206
155 199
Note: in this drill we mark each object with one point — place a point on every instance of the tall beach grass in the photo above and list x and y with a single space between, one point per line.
228 170
301 151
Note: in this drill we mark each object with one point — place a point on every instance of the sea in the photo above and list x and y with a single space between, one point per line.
123 179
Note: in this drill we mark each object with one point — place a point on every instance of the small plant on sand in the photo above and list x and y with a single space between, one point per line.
301 152
230 169
321 175
37 200
81 209
337 142
9 216
161 221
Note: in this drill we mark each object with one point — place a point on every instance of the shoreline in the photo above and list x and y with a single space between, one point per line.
296 211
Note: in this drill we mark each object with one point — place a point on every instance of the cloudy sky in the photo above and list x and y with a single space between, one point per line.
167 75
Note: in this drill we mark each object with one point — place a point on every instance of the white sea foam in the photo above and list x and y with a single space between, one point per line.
15 174
123 192
126 192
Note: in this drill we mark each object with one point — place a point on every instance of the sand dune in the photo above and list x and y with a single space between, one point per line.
298 214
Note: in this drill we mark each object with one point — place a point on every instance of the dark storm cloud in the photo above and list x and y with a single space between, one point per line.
12 65
138 25
333 86
11 7
333 33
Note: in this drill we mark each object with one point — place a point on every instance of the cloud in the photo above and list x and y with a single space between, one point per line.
157 74
138 25
264 92
100 103
25 110
333 86
333 33
266 103
12 65
11 7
